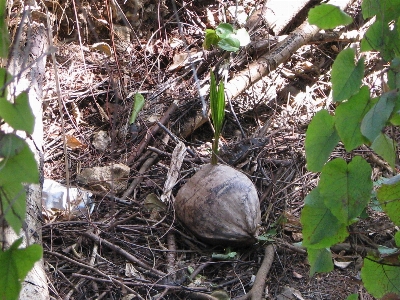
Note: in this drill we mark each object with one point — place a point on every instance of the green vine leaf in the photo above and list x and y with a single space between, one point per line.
328 16
138 104
352 297
386 148
18 115
389 197
397 238
380 278
346 188
348 117
321 139
346 76
14 266
377 117
320 260
21 165
385 10
321 229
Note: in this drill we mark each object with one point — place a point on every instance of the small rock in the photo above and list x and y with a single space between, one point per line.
101 140
103 178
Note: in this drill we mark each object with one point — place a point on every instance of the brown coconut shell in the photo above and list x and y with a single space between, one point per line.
220 206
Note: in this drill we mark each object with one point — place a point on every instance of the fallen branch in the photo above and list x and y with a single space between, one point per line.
257 290
269 62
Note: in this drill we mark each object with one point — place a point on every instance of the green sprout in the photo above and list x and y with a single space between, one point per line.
217 104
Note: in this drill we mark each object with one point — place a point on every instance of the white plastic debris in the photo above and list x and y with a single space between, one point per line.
54 198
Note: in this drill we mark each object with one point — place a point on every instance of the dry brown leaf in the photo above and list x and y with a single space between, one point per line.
74 143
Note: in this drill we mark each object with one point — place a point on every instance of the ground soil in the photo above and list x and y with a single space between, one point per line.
97 82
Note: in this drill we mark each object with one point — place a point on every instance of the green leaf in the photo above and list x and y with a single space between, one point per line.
380 278
138 104
230 44
389 197
346 76
211 38
13 200
382 37
14 266
352 297
4 77
386 148
320 260
385 10
346 188
397 238
224 30
11 145
377 117
321 229
321 139
18 115
348 117
328 16
394 74
21 166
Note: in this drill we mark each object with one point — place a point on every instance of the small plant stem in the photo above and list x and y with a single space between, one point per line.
214 158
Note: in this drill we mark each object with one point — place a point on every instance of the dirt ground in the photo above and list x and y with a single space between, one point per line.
133 247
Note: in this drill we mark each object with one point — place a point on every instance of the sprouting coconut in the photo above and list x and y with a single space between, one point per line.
219 204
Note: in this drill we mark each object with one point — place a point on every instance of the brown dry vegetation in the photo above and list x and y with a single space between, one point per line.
128 246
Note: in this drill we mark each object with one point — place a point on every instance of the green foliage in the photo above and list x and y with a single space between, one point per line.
226 37
217 104
352 297
328 16
380 277
348 117
346 76
345 187
138 104
320 260
321 138
17 167
15 264
18 115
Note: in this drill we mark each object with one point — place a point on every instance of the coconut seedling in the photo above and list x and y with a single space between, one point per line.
219 204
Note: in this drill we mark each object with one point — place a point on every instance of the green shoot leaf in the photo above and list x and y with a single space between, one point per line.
380 278
321 139
346 188
217 104
377 117
328 16
321 229
397 238
138 104
224 30
211 38
320 260
18 115
346 76
348 117
230 44
14 266
386 148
